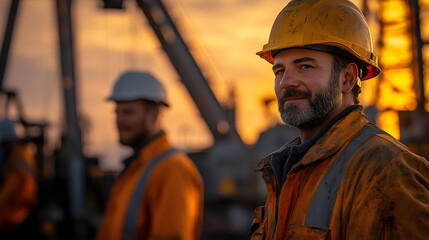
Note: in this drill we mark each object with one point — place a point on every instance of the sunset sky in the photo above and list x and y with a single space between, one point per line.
222 34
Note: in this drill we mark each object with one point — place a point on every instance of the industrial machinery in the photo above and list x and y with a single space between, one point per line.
401 45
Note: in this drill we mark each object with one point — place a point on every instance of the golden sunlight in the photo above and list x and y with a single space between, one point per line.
223 36
398 88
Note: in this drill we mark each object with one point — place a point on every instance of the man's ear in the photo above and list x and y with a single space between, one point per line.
350 74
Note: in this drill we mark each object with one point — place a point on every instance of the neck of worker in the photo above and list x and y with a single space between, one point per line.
141 144
336 113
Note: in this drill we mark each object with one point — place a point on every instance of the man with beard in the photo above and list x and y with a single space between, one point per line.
159 194
343 177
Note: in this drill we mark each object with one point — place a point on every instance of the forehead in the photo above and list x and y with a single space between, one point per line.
128 104
296 54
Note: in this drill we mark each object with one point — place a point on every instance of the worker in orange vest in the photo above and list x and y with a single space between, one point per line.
342 177
159 194
18 186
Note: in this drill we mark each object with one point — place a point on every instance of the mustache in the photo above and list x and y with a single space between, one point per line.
286 93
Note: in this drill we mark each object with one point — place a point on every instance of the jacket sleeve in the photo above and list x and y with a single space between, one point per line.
391 198
176 199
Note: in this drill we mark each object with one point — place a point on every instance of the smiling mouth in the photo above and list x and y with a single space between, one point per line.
294 98
292 95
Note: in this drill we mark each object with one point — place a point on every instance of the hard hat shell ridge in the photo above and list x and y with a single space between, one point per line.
135 85
336 23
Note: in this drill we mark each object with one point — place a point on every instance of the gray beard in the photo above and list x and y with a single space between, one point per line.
317 110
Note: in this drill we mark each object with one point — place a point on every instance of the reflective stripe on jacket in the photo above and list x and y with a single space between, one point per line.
383 193
172 203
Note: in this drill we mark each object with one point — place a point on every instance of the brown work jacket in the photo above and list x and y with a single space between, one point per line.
171 206
382 193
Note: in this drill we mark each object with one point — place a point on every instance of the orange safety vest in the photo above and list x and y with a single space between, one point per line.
158 196
18 192
348 187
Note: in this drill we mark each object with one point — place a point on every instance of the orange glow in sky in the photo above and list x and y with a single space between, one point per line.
398 82
223 36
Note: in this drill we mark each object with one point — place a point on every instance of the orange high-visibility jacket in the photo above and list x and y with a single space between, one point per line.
382 193
171 206
18 192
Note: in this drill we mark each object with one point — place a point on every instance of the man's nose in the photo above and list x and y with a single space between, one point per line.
289 80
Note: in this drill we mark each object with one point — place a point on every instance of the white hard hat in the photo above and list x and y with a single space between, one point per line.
7 130
134 85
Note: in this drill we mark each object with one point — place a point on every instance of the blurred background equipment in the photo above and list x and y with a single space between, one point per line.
73 186
402 44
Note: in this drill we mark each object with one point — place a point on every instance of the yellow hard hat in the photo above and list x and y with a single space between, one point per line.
321 25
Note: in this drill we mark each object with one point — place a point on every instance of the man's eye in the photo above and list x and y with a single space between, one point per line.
304 67
276 73
126 111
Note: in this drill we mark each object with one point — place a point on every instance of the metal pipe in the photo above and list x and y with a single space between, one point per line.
418 63
190 74
7 39
72 144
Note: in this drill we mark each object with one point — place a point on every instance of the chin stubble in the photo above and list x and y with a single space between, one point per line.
317 109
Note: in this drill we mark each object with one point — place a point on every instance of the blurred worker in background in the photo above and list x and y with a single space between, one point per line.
18 186
342 177
159 194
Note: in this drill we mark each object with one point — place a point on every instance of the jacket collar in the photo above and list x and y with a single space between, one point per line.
329 142
336 136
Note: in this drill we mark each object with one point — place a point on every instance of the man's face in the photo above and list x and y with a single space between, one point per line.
133 122
305 87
